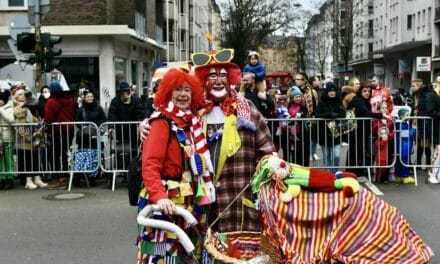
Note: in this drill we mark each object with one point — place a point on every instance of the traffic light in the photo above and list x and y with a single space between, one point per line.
26 42
49 52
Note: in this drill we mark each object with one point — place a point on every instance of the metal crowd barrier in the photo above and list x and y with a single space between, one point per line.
120 146
109 148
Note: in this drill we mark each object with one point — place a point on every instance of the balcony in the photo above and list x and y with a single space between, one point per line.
437 51
183 21
159 34
437 14
171 10
139 25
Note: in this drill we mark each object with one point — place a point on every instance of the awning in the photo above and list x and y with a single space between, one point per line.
403 46
97 30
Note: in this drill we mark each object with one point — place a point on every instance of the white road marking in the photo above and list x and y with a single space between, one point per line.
373 188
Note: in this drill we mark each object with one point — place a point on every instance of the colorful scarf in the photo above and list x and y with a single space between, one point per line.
235 104
192 120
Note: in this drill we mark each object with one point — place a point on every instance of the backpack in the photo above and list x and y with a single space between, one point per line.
134 179
134 175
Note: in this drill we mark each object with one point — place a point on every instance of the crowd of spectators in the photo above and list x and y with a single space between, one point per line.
371 143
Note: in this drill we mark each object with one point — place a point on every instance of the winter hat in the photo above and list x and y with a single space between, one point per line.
330 86
253 53
294 90
4 95
55 86
124 86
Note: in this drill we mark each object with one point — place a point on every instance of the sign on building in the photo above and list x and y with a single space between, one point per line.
379 69
423 64
404 65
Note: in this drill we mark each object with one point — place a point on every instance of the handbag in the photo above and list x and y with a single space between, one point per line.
40 137
343 127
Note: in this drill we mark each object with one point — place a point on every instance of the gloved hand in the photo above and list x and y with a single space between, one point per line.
210 187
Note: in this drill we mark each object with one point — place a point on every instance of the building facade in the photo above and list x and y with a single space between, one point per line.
279 53
105 42
398 40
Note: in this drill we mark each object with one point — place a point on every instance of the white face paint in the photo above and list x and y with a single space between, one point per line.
217 84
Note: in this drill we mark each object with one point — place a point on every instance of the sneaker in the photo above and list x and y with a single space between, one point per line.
315 156
399 179
408 180
432 178
392 178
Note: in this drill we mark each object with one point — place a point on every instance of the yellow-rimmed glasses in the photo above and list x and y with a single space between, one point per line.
224 55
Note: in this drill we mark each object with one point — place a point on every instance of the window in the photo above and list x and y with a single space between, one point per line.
182 39
370 28
370 8
429 21
13 4
182 7
120 70
409 22
16 3
343 14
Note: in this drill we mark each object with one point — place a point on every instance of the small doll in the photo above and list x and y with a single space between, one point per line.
253 65
404 144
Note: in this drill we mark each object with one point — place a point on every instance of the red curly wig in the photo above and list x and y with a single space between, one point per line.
173 79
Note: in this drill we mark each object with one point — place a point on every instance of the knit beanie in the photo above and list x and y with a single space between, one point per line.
330 86
55 86
294 90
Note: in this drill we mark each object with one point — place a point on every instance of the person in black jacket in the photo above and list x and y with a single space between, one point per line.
42 99
433 110
90 111
329 107
262 101
125 108
420 93
360 147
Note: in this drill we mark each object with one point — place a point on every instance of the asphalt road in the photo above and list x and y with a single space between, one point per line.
101 228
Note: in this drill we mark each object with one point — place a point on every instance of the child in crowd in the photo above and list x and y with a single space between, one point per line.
253 65
299 140
282 113
382 153
404 145
389 124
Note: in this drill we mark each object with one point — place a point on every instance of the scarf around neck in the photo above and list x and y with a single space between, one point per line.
236 104
188 118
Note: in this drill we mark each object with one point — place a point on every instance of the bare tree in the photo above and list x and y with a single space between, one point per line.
247 22
342 30
322 52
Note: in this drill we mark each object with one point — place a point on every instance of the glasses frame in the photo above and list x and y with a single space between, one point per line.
213 56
